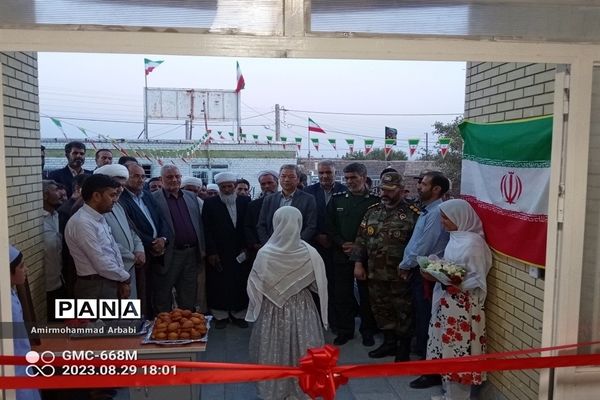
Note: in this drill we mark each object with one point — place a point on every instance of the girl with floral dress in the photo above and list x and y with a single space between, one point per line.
457 326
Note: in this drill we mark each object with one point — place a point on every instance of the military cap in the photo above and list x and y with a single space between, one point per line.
391 181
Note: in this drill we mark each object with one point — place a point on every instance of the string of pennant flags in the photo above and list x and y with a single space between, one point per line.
229 137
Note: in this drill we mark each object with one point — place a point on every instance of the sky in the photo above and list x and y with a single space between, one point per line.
103 94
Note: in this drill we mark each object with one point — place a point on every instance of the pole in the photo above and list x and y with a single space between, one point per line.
277 124
308 144
239 115
205 117
145 105
427 145
192 97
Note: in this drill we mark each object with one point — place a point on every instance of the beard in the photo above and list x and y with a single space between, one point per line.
228 199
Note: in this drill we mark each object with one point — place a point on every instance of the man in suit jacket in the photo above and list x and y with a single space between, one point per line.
290 195
130 244
323 191
75 153
227 269
268 181
183 254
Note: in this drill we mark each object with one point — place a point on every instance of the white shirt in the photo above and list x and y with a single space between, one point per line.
93 247
52 251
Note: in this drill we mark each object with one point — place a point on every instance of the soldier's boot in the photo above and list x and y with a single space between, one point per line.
402 350
388 348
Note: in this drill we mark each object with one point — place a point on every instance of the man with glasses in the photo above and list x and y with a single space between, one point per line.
344 214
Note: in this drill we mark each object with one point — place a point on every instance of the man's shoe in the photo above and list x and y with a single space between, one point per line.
221 323
368 340
385 350
426 381
342 339
240 323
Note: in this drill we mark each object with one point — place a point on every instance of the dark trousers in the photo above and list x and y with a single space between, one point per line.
421 312
346 305
182 275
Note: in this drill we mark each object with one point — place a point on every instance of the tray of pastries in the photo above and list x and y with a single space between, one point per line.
178 327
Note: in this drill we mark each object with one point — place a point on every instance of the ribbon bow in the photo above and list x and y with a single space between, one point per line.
319 378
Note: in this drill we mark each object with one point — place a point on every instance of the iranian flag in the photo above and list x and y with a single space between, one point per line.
298 142
412 146
444 146
368 145
149 65
388 147
315 142
241 83
332 142
314 127
505 177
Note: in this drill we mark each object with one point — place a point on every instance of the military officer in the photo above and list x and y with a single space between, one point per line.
344 213
382 236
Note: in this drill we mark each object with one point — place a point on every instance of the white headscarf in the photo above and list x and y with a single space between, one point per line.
467 245
285 265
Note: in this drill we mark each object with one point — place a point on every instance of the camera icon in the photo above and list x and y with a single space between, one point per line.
46 369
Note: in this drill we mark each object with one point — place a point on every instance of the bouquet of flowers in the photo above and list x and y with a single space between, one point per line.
444 271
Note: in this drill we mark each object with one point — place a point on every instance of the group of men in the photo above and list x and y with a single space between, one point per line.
175 241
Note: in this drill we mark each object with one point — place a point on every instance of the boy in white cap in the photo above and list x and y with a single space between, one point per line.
18 275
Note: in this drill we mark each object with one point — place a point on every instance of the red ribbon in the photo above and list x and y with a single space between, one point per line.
318 374
319 378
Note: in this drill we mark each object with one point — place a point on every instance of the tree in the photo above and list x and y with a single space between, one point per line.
376 154
451 164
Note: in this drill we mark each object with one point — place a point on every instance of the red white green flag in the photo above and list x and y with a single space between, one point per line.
150 65
412 146
243 137
505 177
350 145
368 145
284 140
315 142
241 83
255 137
314 127
389 145
299 142
332 142
269 138
444 146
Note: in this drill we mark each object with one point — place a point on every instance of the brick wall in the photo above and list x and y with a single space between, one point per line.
23 165
500 92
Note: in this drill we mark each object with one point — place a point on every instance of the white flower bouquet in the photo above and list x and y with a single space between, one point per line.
446 272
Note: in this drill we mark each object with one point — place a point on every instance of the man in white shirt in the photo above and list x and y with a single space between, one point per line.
53 263
100 270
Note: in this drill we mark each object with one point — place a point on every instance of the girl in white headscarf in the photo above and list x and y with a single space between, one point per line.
286 319
457 326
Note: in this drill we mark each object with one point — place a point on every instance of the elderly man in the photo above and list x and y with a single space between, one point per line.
268 181
142 211
227 270
181 210
130 244
103 157
290 195
75 153
100 270
53 263
192 184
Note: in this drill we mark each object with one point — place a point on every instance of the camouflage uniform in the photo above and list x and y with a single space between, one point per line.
382 236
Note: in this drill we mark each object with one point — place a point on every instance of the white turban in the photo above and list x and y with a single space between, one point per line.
225 177
212 186
192 181
113 170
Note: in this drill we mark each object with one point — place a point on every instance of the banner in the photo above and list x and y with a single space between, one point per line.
505 177
350 145
391 133
299 143
284 140
444 145
412 146
315 142
389 145
332 142
269 138
368 145
255 137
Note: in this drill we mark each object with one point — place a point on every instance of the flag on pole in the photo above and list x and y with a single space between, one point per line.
389 145
506 178
350 144
314 127
444 146
412 146
149 65
332 142
368 145
241 83
299 142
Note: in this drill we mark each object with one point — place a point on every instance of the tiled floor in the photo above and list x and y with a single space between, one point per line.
231 345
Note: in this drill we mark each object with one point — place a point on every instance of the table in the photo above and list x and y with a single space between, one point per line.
189 352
